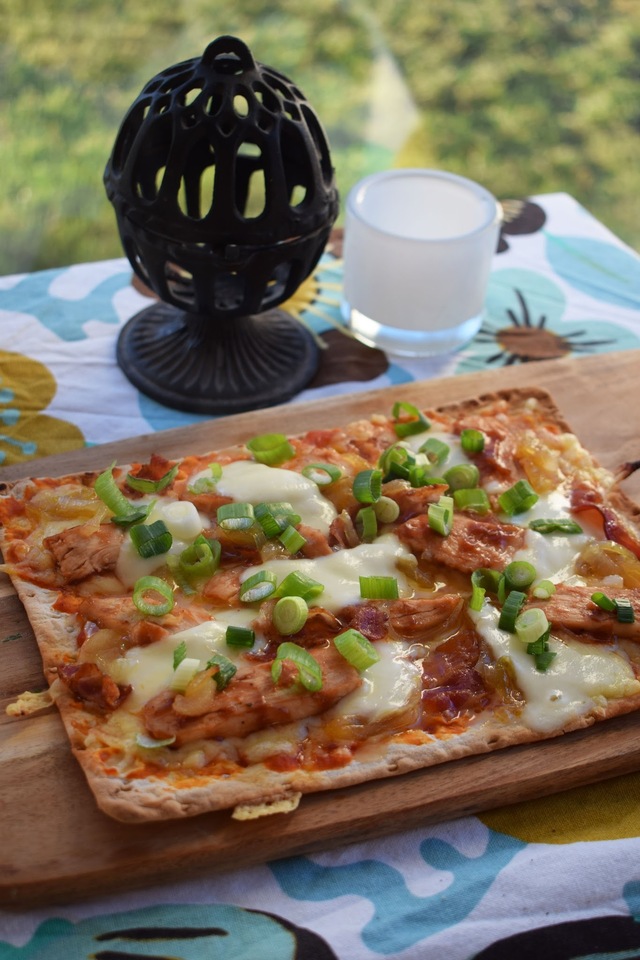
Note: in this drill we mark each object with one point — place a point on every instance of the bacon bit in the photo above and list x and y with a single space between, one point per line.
154 470
146 632
585 498
453 689
414 619
88 683
371 619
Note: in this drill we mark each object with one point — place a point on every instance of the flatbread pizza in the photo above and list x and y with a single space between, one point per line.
294 614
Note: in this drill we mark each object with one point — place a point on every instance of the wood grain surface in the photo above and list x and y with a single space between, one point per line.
57 845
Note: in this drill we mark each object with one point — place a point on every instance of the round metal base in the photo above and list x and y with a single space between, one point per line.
195 363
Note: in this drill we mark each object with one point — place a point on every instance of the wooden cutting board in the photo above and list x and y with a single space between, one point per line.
57 845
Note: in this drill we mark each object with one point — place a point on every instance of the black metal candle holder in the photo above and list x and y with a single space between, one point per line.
224 195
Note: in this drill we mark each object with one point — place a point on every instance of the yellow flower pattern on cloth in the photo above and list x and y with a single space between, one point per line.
27 388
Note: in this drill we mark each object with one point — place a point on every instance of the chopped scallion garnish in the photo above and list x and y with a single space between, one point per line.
603 601
113 497
519 575
258 586
543 589
291 539
510 610
367 524
151 540
145 593
235 516
357 649
367 486
463 476
531 625
271 448
518 498
624 611
540 652
475 500
226 669
435 450
236 636
297 584
201 559
440 516
409 420
379 588
184 673
144 485
472 441
386 510
555 525
179 654
290 615
309 672
322 473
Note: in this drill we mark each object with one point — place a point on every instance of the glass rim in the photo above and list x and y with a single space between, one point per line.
494 217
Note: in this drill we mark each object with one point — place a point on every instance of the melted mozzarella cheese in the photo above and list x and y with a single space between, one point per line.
251 482
388 686
340 572
579 676
148 670
552 554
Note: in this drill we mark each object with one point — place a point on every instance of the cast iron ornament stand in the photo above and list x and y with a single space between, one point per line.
219 254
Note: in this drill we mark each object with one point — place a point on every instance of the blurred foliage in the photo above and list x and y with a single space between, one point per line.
526 96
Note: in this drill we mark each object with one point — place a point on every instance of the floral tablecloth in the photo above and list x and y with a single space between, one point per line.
557 877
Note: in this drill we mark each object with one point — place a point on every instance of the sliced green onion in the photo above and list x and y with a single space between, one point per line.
379 588
271 448
540 651
152 607
148 743
440 516
531 624
624 611
475 500
258 586
519 575
290 615
179 654
603 601
482 580
386 510
367 486
510 610
235 516
367 524
201 559
292 540
274 517
414 420
144 485
322 473
421 476
502 589
543 589
555 525
518 498
184 673
226 669
111 494
472 441
297 584
135 516
395 462
207 484
436 451
463 476
487 578
309 670
236 636
357 649
151 540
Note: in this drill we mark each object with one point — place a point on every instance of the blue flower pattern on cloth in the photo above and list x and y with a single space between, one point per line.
400 918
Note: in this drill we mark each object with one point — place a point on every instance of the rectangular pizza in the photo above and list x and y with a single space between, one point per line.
301 613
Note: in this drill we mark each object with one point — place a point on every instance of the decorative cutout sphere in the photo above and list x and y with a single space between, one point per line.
222 184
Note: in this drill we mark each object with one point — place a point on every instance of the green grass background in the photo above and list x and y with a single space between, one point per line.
526 96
